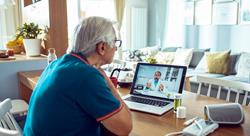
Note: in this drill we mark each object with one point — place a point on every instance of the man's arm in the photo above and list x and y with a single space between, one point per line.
121 122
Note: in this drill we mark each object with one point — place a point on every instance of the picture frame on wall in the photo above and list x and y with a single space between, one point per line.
244 12
218 1
225 13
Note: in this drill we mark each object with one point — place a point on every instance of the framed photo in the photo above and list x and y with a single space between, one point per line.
189 13
225 13
217 1
203 12
245 12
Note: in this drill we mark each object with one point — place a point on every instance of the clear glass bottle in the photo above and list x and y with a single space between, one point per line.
177 101
51 55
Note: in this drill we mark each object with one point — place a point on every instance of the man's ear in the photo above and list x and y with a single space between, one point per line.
100 48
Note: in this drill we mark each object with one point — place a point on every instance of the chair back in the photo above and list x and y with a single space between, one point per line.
228 84
8 125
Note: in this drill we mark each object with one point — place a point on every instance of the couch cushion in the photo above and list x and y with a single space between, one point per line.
165 57
151 51
183 56
217 62
233 62
202 66
234 58
202 73
235 78
169 49
197 56
244 66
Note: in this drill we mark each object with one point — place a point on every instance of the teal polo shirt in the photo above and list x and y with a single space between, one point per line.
70 98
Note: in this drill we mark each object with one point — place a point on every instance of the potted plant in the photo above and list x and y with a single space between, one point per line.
30 32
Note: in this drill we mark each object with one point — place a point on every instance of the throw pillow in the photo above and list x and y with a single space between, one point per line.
197 56
217 62
244 66
150 51
165 57
234 59
170 49
202 66
183 56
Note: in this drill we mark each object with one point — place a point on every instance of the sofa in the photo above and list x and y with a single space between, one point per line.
238 70
238 67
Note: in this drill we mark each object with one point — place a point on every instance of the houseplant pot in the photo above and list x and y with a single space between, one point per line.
29 33
32 47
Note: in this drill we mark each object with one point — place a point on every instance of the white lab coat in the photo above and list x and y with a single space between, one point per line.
153 86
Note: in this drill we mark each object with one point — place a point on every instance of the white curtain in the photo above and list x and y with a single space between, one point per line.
174 32
119 7
10 18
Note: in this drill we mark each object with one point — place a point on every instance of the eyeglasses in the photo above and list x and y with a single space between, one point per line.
118 43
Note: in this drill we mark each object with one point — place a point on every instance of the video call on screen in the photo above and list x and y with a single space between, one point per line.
158 81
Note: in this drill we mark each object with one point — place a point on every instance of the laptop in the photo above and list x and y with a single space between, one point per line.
154 87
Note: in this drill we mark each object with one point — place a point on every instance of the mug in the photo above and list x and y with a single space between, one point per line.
114 81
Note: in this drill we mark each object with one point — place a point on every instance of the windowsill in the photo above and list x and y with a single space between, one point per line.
23 57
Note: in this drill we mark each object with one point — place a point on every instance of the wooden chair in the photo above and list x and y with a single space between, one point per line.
229 85
8 125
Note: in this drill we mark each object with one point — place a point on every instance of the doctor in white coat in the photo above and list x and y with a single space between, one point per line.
155 84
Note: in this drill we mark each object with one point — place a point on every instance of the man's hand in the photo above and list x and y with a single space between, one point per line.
161 87
148 85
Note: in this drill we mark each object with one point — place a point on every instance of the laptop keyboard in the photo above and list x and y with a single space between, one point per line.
147 101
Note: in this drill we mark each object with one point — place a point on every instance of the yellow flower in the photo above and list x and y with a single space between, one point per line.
151 60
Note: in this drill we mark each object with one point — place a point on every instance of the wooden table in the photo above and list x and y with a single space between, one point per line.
27 82
187 86
152 125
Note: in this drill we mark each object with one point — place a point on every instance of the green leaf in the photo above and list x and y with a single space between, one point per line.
29 31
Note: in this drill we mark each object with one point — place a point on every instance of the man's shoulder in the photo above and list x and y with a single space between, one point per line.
69 62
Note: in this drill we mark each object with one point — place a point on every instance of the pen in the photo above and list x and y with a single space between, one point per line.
197 124
188 122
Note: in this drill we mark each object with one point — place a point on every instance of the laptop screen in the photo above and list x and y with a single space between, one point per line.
156 80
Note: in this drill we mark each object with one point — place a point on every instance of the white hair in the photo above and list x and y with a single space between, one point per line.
89 32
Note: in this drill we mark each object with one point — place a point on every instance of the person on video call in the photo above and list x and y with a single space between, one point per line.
74 96
155 84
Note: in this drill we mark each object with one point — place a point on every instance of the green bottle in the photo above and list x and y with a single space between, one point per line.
177 101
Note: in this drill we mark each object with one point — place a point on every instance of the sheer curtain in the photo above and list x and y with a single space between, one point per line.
119 6
10 19
175 30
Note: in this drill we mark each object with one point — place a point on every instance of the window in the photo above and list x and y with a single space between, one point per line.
81 9
9 20
175 29
103 8
85 8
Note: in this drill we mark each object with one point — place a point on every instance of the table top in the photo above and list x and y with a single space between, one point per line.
152 125
146 124
22 57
